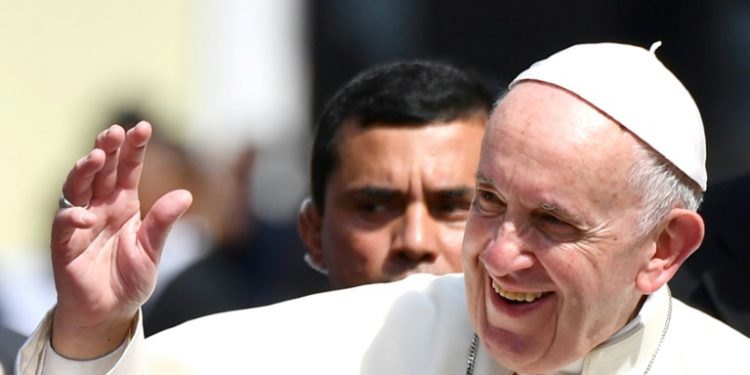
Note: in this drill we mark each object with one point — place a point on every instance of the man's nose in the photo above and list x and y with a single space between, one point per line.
507 252
414 238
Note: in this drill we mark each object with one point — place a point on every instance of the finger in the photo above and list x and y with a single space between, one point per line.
77 186
132 155
160 218
110 142
64 226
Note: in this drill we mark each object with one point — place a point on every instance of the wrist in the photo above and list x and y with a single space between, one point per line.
85 342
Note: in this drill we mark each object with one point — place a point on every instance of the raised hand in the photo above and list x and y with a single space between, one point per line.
104 255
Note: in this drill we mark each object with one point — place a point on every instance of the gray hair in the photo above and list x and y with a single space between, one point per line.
662 187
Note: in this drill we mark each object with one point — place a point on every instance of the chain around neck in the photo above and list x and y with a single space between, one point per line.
472 355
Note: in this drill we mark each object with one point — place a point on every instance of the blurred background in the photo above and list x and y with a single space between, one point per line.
235 86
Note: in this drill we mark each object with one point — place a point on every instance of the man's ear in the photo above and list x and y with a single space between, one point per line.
309 227
680 236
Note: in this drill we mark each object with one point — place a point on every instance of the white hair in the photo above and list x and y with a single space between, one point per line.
662 187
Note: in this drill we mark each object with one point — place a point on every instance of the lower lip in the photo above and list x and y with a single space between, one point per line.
515 310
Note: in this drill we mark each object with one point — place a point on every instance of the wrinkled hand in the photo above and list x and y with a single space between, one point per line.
104 256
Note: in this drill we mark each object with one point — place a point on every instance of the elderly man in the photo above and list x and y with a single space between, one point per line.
590 173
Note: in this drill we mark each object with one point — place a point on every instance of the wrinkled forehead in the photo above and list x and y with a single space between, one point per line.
558 141
547 111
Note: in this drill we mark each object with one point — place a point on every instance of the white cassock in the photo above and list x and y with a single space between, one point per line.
416 326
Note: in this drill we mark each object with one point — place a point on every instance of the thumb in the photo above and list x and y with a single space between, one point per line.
161 217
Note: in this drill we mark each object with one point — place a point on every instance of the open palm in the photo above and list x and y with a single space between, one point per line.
104 256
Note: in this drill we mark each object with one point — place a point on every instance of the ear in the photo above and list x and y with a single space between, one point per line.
309 227
679 237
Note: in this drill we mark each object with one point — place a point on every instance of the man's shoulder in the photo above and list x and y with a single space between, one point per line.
690 321
695 342
348 328
416 289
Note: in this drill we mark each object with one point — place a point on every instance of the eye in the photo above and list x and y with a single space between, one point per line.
552 220
370 207
557 229
488 203
375 209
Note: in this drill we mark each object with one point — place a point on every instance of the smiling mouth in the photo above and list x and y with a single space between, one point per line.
516 297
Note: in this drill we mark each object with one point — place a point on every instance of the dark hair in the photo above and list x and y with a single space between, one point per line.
416 93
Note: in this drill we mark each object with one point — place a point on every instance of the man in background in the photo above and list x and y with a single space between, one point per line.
392 173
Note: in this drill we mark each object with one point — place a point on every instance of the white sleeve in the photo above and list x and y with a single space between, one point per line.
54 363
37 357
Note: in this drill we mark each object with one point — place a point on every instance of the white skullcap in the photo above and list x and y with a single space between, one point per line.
633 87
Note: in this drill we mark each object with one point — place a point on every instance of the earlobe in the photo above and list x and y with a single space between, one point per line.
309 227
680 236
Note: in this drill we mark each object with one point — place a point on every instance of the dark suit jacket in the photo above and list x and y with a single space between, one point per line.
10 342
262 268
716 279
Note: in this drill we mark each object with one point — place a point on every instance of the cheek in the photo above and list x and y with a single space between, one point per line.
451 242
563 263
585 274
475 238
353 257
350 245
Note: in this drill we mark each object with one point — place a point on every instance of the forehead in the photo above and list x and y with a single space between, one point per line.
383 153
544 139
536 106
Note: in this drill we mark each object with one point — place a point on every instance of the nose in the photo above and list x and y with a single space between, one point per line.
507 252
414 238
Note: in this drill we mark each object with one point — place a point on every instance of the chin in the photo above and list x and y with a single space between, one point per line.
516 352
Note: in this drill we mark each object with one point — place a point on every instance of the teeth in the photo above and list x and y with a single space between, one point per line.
518 297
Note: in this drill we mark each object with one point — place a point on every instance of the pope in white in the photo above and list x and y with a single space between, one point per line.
591 171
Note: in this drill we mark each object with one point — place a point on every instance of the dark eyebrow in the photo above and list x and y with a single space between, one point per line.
463 192
375 192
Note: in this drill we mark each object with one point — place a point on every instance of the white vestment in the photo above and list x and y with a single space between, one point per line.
416 326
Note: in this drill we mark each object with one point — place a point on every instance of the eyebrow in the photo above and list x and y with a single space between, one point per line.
480 178
454 193
547 206
375 192
387 193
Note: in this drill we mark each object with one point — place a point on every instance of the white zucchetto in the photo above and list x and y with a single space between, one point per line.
634 88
